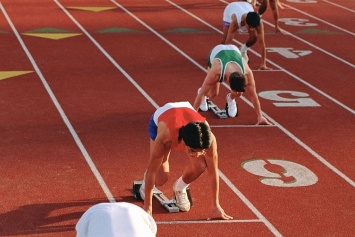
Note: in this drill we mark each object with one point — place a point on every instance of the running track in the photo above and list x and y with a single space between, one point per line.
80 79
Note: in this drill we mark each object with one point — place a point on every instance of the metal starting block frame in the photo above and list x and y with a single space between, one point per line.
220 113
169 205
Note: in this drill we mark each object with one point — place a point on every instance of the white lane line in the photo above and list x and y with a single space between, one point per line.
337 5
60 110
250 205
242 126
208 222
318 19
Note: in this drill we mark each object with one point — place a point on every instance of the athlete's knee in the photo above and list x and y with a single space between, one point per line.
200 167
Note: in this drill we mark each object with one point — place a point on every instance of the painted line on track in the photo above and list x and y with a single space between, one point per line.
250 205
208 222
318 19
242 126
345 8
60 110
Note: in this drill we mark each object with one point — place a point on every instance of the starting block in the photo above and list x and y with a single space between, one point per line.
222 114
169 205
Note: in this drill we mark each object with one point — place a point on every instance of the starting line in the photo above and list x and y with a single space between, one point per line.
242 126
208 221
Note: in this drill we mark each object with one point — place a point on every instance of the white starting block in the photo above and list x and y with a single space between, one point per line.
169 205
222 114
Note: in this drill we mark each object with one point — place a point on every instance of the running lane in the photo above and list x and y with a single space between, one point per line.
42 169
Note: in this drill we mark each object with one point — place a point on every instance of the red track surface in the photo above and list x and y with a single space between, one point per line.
74 129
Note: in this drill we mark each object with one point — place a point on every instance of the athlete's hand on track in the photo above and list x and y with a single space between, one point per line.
218 213
263 121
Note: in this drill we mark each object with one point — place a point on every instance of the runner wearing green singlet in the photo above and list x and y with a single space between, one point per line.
225 55
225 64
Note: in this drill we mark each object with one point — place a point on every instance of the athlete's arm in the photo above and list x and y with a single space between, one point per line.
233 27
160 147
209 87
251 89
261 40
211 157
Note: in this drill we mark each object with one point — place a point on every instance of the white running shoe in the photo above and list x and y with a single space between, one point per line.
204 103
182 200
232 108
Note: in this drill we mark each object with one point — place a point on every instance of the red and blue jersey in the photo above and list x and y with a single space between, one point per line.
175 115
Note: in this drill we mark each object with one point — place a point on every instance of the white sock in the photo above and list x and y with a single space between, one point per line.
244 49
180 185
143 183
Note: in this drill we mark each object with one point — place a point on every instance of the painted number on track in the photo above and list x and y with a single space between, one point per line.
280 173
289 52
289 98
297 22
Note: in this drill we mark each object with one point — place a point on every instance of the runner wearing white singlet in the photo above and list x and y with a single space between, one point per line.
239 9
225 64
240 16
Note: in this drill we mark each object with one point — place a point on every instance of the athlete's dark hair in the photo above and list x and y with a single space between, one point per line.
196 135
253 19
237 81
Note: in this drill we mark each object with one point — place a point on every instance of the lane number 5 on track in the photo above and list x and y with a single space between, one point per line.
289 98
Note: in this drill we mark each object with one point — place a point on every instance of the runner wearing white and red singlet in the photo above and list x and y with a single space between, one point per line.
178 126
